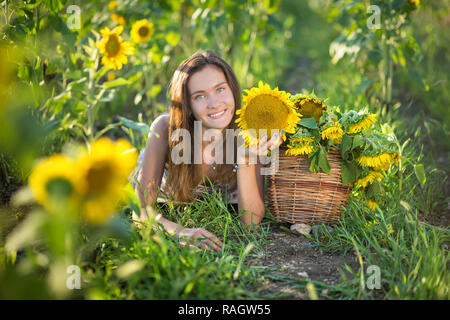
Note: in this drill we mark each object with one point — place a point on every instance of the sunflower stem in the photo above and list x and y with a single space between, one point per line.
91 88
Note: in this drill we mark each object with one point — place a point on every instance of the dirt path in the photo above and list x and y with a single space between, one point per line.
290 256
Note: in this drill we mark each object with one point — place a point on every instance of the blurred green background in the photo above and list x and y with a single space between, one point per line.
392 60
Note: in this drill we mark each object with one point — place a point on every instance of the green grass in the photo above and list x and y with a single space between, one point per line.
413 260
164 269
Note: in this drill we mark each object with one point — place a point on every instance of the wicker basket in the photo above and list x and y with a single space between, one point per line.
298 195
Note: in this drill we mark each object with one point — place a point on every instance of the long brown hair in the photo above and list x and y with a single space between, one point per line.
183 178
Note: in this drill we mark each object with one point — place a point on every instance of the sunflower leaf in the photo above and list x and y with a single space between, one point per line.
346 144
374 189
323 160
116 83
136 126
309 123
349 172
357 141
314 165
420 173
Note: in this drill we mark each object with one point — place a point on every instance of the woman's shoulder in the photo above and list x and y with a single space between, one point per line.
161 124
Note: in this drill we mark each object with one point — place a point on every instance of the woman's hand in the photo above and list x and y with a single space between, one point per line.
203 239
263 147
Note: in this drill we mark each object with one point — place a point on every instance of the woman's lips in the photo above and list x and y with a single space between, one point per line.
217 115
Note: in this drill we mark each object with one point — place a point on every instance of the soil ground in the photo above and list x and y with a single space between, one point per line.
290 256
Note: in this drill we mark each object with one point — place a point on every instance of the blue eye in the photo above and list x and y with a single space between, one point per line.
221 89
198 97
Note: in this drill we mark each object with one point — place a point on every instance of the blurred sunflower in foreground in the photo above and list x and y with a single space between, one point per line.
266 109
113 48
90 186
105 168
56 183
141 31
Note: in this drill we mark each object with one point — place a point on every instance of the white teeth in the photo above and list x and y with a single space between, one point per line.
216 115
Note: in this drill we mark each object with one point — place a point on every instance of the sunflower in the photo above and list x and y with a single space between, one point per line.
118 18
266 109
363 182
302 140
105 169
299 149
366 122
372 204
55 182
302 135
112 5
396 157
113 48
390 229
377 162
309 107
141 31
333 132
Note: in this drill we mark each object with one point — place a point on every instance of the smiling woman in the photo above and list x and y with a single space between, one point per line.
204 90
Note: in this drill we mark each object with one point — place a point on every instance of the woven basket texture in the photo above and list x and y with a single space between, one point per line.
297 195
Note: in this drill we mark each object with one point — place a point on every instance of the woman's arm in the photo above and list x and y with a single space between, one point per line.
251 194
250 183
150 175
149 180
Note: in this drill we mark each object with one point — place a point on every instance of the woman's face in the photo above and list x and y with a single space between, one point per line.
211 98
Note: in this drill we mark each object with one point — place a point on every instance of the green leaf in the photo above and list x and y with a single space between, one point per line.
137 126
154 90
357 141
420 173
374 189
100 73
54 6
172 38
314 165
309 123
323 160
116 83
349 172
346 144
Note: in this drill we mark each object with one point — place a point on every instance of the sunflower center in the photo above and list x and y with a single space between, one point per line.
311 110
266 112
99 177
143 31
59 188
112 45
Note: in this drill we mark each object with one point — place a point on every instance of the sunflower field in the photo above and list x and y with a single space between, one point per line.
82 81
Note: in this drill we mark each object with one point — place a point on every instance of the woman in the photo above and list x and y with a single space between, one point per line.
204 88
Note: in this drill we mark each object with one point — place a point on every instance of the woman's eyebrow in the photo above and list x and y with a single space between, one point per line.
213 87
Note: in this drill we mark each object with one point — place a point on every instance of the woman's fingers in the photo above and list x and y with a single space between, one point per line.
267 145
212 240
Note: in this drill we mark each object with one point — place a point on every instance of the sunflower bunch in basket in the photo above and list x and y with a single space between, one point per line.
366 152
311 128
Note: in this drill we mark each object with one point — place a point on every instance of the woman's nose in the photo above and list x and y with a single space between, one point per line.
213 101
